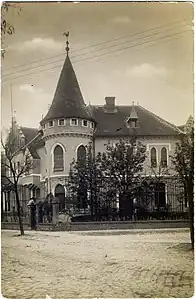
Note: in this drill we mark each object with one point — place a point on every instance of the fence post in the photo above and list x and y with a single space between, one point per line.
55 207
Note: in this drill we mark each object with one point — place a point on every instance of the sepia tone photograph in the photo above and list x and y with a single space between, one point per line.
97 150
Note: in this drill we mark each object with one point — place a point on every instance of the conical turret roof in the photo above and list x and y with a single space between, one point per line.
68 101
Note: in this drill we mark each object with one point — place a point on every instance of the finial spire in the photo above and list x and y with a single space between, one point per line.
67 41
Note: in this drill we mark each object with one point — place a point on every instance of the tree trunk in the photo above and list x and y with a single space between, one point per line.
19 211
191 211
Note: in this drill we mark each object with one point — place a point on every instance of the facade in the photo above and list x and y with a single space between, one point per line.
70 125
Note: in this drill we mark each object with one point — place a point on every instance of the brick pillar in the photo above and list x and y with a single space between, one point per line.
32 210
55 207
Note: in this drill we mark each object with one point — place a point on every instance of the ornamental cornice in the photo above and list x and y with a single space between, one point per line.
143 137
73 134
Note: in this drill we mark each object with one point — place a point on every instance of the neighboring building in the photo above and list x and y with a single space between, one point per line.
70 125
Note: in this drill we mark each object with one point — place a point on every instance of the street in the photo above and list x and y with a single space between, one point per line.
105 264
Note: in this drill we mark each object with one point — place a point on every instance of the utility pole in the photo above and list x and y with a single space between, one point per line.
11 104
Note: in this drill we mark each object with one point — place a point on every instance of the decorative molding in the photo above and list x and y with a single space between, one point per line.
32 174
54 176
139 137
158 144
69 134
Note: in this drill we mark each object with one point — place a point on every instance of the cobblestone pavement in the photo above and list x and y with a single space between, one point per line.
142 264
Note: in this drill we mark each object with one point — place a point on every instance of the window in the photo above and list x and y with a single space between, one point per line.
74 122
58 158
92 125
133 123
153 157
85 123
9 173
61 122
18 166
8 202
164 157
44 126
81 154
27 170
51 123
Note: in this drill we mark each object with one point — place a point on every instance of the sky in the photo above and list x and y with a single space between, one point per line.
139 52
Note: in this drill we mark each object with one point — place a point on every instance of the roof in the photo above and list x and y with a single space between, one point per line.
29 133
182 127
133 114
33 140
68 100
113 124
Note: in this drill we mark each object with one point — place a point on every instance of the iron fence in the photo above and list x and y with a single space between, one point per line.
140 205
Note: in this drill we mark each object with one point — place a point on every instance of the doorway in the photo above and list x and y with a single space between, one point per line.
60 194
160 196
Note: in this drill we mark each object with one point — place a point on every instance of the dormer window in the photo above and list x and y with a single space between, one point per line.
74 122
51 123
85 123
61 122
132 123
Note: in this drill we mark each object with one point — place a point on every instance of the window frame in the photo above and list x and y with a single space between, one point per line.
152 164
72 124
59 125
129 122
77 150
84 120
58 169
164 164
92 125
49 126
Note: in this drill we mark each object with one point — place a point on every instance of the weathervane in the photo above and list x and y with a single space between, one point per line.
67 42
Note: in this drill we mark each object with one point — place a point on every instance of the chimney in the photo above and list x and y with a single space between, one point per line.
110 104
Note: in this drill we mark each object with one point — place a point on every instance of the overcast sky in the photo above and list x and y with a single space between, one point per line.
141 52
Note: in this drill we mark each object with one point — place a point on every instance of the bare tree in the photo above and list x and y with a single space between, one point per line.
17 162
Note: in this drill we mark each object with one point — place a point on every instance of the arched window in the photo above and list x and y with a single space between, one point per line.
164 157
58 158
153 157
81 154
